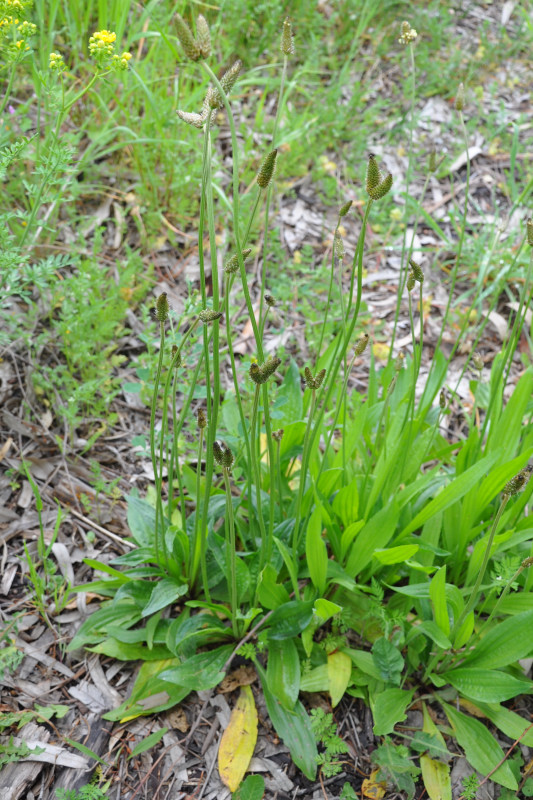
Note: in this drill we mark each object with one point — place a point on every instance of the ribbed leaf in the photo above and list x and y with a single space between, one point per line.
481 749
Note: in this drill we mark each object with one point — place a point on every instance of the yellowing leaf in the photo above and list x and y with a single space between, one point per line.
238 741
373 789
339 674
436 776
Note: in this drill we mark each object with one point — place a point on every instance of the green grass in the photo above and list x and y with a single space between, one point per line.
358 548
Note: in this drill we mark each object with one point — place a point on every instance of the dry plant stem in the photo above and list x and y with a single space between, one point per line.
170 379
236 232
405 253
462 234
231 555
212 402
342 344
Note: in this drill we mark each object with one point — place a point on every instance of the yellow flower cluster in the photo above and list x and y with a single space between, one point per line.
57 63
14 29
102 46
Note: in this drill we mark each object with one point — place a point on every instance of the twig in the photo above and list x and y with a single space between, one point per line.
103 531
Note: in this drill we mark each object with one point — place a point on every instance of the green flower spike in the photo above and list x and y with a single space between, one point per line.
287 46
203 36
187 40
518 483
161 308
377 186
266 170
232 265
417 271
209 316
460 98
345 208
361 344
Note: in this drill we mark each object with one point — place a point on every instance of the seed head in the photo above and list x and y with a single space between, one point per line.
197 120
209 316
338 246
316 382
383 188
266 170
187 40
411 281
373 174
407 34
176 357
261 374
345 208
278 435
270 301
287 46
201 418
518 483
361 344
460 98
398 362
442 399
232 265
477 360
417 271
218 452
527 562
227 82
161 307
203 36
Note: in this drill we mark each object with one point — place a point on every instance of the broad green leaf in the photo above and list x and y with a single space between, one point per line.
365 661
271 594
437 593
376 533
458 487
481 748
141 520
509 722
316 680
486 685
432 631
253 788
388 660
95 627
396 555
316 552
150 694
290 619
346 503
504 644
238 741
349 534
287 560
165 592
130 652
201 671
388 708
283 672
339 674
294 728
